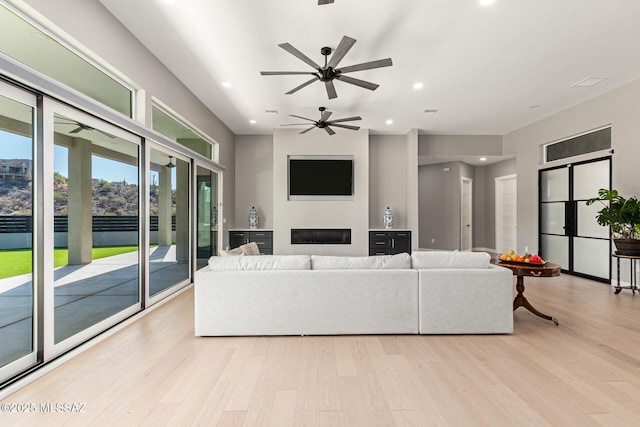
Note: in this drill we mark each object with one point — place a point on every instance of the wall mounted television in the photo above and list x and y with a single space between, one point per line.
320 177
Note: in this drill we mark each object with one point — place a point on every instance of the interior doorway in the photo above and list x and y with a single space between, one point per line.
506 213
466 214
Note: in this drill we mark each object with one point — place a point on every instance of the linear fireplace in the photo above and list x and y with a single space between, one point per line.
320 236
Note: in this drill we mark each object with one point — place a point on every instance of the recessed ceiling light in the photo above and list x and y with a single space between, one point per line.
253 122
389 122
483 159
226 84
418 85
589 81
486 2
430 111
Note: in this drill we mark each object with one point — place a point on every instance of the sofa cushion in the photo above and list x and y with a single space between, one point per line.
230 252
449 259
325 262
264 262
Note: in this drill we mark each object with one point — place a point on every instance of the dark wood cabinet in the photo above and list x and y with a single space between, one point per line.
263 238
389 242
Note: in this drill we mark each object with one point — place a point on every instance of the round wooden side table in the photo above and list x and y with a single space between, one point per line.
520 270
633 277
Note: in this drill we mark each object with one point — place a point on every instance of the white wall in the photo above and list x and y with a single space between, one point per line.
620 108
353 214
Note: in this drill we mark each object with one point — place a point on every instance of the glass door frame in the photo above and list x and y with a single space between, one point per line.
31 359
50 108
571 216
194 208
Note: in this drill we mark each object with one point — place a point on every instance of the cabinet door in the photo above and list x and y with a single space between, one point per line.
238 238
400 242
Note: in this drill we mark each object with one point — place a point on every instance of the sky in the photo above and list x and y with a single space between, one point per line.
18 147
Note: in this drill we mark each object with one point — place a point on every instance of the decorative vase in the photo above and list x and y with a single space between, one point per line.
253 218
387 219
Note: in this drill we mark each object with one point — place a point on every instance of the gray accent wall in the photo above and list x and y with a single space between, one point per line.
352 214
254 180
388 179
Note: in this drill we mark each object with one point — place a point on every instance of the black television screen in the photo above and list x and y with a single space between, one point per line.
320 177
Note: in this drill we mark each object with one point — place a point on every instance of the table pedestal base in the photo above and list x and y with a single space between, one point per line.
521 301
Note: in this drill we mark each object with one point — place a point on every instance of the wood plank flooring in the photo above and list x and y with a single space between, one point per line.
155 372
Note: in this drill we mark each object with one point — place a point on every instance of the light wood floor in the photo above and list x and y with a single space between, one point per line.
585 372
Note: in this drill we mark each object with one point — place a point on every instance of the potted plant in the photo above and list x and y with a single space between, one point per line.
623 216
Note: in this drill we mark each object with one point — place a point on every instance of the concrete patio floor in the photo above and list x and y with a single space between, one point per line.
83 296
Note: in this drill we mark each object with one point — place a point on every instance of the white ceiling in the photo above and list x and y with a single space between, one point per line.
487 70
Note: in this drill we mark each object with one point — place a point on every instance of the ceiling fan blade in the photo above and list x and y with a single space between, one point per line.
107 134
345 126
331 89
346 119
330 131
300 117
358 82
367 66
345 44
307 130
325 115
321 2
297 88
76 130
284 73
301 56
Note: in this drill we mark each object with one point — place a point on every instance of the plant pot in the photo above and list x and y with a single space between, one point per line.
627 247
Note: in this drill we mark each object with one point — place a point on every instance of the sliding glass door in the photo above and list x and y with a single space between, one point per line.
569 233
18 344
169 219
95 217
207 233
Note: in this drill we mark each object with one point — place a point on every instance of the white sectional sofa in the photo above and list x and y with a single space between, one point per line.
425 293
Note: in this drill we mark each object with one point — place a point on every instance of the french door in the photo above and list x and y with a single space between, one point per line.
568 231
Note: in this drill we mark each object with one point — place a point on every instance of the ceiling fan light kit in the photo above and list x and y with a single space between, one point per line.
324 122
327 74
330 71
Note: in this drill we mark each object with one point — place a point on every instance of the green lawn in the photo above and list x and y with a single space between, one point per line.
18 261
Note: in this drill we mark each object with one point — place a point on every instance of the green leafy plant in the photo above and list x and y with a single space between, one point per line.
620 213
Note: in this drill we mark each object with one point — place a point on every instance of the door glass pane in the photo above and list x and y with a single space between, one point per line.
588 178
96 226
16 231
591 256
207 215
552 216
555 249
587 224
169 221
554 185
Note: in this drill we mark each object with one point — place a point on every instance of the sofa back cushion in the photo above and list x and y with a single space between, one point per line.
449 259
325 262
263 262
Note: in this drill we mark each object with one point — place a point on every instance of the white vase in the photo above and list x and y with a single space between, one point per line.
387 219
253 218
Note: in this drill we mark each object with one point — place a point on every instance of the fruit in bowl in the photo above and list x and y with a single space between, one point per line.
526 258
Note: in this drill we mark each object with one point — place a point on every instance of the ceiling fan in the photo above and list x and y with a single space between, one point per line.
81 126
328 73
321 2
325 123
